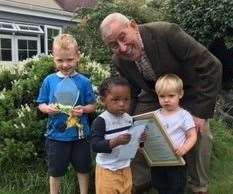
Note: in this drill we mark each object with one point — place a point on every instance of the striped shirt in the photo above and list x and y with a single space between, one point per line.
105 127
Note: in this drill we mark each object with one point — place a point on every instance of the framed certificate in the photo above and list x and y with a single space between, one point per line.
158 148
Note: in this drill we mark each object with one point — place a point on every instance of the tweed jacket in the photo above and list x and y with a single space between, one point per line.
171 50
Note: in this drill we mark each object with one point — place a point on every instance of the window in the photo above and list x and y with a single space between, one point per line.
18 48
50 33
19 41
5 48
27 47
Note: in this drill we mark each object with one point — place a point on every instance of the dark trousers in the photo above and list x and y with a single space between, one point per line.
169 179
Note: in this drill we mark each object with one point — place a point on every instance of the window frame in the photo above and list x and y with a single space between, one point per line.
13 48
46 27
8 29
40 31
26 38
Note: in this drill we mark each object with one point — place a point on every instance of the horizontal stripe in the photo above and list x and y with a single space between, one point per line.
117 130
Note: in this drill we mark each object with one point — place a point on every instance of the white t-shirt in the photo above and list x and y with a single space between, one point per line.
177 125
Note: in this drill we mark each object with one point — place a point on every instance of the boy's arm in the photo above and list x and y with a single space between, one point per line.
98 142
48 109
89 108
191 138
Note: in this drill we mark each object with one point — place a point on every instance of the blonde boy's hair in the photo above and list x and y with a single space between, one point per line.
65 41
169 83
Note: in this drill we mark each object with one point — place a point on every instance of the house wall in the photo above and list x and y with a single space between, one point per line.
21 45
19 18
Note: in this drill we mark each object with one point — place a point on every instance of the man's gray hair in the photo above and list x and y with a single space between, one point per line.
113 17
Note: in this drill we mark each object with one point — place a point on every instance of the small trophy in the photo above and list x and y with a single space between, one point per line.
67 95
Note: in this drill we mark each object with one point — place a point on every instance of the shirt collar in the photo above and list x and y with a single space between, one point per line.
61 75
142 48
140 41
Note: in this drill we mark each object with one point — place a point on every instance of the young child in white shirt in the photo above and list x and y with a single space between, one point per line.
181 129
110 131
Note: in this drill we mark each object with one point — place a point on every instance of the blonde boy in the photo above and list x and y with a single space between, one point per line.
181 129
63 144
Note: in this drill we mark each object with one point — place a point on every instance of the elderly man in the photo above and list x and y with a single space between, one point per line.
142 53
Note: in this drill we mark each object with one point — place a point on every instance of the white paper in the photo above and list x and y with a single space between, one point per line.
129 150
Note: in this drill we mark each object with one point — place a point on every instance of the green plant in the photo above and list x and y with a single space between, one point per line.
87 32
21 127
7 75
205 20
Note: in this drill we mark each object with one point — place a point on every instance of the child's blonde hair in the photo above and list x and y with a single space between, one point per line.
169 83
65 41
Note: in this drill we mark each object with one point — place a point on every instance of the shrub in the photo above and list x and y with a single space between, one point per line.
87 33
205 20
21 127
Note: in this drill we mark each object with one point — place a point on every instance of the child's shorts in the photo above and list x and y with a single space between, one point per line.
60 154
111 182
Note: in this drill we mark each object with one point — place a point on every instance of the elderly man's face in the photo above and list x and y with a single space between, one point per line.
124 41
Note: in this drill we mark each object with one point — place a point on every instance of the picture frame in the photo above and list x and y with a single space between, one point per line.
158 148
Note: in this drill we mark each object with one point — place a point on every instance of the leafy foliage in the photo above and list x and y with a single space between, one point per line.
205 20
87 32
21 127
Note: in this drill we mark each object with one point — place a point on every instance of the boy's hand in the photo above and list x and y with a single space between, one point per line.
181 151
123 138
120 140
51 109
77 111
143 137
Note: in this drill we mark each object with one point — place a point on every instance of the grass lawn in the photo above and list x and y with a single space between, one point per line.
221 176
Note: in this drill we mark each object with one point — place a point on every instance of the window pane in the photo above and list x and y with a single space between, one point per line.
32 44
6 55
26 49
6 43
22 44
9 26
22 55
32 53
34 28
23 27
42 44
5 49
50 33
55 32
50 43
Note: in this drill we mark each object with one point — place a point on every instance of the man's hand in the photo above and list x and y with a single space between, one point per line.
200 124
